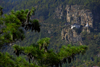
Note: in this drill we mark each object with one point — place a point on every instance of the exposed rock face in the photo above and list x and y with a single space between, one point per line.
71 36
74 14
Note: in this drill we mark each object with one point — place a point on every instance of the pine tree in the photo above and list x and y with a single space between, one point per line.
13 26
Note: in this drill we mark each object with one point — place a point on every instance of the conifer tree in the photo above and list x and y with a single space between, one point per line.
13 26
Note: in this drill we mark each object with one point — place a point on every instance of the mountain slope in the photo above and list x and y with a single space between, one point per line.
52 27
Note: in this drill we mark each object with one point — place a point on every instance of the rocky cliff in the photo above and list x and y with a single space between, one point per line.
75 14
78 20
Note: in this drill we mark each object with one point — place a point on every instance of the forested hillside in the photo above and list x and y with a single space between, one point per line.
52 27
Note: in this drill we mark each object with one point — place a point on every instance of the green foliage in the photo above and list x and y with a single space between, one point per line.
21 15
43 43
7 60
11 29
50 58
14 23
67 51
36 25
16 47
11 32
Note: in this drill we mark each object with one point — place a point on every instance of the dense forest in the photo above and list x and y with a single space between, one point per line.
44 12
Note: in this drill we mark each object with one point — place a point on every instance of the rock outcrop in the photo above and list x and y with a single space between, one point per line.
74 14
71 36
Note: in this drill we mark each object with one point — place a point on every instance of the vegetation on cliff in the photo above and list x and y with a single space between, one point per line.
13 26
52 27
